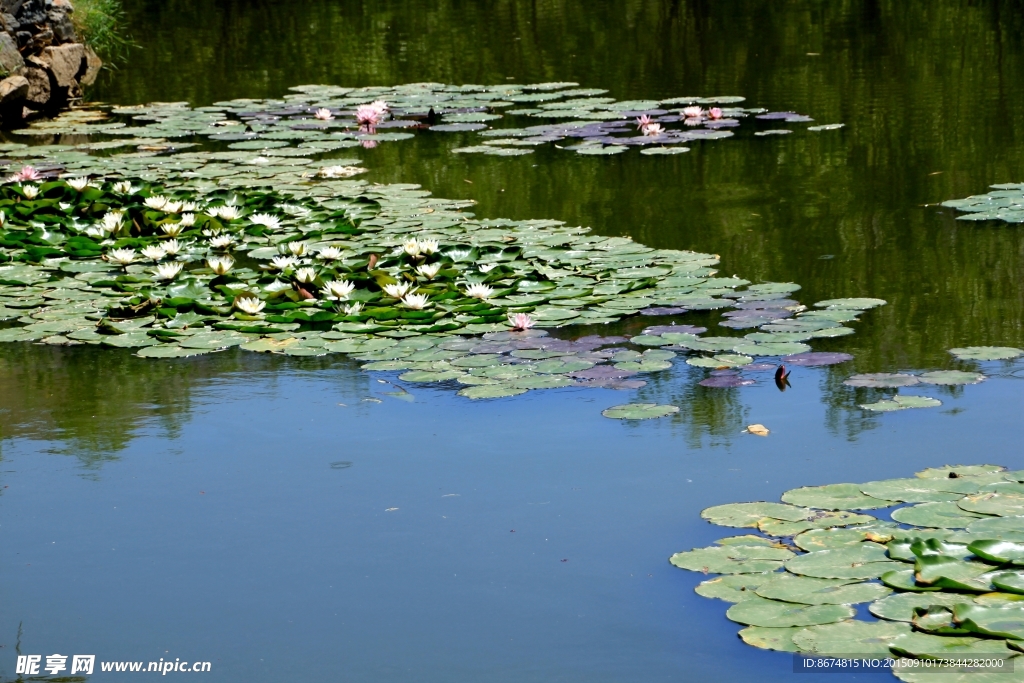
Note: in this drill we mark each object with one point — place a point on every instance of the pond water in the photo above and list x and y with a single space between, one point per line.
287 518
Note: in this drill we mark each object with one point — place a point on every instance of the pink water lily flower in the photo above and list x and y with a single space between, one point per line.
643 121
520 321
26 173
371 114
714 113
653 129
693 112
323 114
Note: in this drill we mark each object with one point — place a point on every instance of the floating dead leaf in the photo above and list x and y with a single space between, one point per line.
757 430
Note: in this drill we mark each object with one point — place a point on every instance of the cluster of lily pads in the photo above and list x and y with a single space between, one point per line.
387 274
1004 203
944 576
318 118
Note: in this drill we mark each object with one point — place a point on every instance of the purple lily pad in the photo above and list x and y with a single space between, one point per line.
772 304
777 115
514 336
603 372
743 323
675 329
725 382
405 123
724 373
493 347
758 367
598 339
880 380
614 383
766 313
722 123
812 359
662 310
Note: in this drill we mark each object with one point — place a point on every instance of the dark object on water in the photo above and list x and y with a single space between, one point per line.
782 378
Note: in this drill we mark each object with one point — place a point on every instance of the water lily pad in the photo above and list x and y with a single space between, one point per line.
882 380
987 353
950 377
958 471
491 391
996 527
749 514
810 591
817 520
816 358
1002 622
901 606
853 303
936 515
726 382
929 646
731 587
774 614
824 539
834 497
764 638
170 351
639 411
999 552
738 559
866 561
1002 504
851 637
429 376
953 573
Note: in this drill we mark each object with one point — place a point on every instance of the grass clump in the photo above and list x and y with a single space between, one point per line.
100 25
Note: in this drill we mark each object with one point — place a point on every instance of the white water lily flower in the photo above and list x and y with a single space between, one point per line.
188 219
172 247
297 248
294 209
188 206
398 290
121 257
221 265
282 262
95 231
352 309
478 291
3 217
428 270
323 114
156 202
306 275
416 302
64 206
692 112
168 271
457 254
113 221
428 246
488 267
78 183
230 213
330 254
277 286
172 229
272 222
337 290
154 252
249 305
125 187
340 171
222 242
172 207
30 191
411 247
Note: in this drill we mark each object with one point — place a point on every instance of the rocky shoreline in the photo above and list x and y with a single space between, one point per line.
43 63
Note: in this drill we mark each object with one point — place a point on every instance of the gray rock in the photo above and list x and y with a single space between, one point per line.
93 64
64 62
13 89
10 59
63 29
10 23
38 87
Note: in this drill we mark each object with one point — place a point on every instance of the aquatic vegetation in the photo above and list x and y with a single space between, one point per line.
950 583
1004 203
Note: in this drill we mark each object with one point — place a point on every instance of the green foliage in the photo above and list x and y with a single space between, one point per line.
100 24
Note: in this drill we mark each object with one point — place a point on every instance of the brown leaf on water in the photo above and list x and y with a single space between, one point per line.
757 430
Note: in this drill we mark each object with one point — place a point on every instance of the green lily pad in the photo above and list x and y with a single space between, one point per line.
765 638
935 515
999 552
851 637
866 561
543 382
170 351
903 580
771 613
639 411
882 380
819 520
1011 581
491 391
834 497
733 559
997 503
917 490
928 646
987 353
749 514
129 341
901 606
825 539
1002 622
855 303
951 377
731 587
957 471
429 376
953 573
811 591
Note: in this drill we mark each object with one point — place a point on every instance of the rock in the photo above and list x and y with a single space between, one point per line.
13 89
10 59
93 64
24 37
11 6
41 40
10 23
64 62
63 29
38 87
